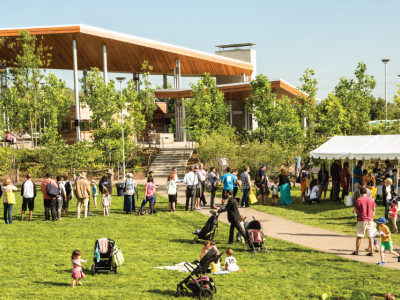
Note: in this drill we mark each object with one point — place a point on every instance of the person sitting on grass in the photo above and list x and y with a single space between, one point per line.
105 201
230 261
386 241
77 268
313 191
208 245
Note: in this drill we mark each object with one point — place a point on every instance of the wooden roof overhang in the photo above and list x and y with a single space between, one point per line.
235 91
125 53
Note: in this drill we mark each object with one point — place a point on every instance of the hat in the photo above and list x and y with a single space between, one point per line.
196 167
83 174
130 175
381 220
264 165
48 175
110 171
93 180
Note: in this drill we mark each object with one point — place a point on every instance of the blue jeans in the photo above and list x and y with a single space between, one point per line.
151 200
8 208
245 197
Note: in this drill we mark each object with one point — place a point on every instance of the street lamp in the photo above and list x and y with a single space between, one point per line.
385 61
121 79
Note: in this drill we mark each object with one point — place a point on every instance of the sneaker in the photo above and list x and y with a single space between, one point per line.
199 208
381 263
95 207
90 214
59 219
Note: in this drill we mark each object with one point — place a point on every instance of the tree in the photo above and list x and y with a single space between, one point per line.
206 110
377 111
308 109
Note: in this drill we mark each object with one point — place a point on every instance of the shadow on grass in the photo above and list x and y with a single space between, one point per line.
166 293
53 283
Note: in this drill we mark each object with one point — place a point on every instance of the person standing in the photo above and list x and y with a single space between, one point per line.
233 217
61 198
49 202
364 208
387 193
323 178
8 208
129 194
203 176
228 179
345 180
149 195
297 166
262 184
377 168
357 175
191 182
171 197
28 193
246 186
335 171
212 178
68 192
284 187
107 182
82 194
198 188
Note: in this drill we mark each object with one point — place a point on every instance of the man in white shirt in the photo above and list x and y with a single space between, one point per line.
28 193
191 181
203 176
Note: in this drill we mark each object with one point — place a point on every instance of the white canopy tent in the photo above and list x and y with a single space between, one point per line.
360 147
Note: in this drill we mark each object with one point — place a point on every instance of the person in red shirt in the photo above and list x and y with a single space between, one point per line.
49 202
345 180
364 208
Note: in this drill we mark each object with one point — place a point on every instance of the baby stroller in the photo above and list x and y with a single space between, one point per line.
254 230
203 286
102 258
209 231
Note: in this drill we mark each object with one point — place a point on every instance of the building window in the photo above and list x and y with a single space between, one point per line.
63 126
84 125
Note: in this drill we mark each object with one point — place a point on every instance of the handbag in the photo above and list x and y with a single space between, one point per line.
10 196
190 191
252 197
52 191
209 186
171 189
117 258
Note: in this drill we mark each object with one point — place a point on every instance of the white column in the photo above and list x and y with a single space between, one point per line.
182 101
165 86
245 119
105 64
77 105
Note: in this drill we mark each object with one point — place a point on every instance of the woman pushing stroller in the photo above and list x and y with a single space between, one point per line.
233 217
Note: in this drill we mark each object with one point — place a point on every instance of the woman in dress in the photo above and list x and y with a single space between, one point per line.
323 177
129 195
284 186
171 184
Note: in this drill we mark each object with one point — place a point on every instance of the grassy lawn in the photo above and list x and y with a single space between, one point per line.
334 216
36 259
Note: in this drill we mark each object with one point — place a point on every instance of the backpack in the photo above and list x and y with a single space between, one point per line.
68 188
52 191
257 179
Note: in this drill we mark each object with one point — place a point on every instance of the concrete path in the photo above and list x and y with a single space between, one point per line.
305 235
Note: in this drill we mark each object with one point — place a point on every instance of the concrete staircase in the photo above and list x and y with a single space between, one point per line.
166 159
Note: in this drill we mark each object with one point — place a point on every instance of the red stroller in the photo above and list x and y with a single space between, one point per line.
254 230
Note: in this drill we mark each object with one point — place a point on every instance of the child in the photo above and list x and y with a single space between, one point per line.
303 187
374 236
95 193
105 201
394 179
275 191
230 261
208 245
240 237
393 214
386 243
365 176
77 268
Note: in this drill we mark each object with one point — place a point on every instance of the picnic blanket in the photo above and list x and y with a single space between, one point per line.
181 268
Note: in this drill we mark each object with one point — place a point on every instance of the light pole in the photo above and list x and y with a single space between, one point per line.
121 79
385 61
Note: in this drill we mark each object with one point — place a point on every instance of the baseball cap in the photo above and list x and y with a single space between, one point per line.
381 220
264 165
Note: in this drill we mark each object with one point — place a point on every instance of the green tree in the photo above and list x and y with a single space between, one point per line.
206 110
377 111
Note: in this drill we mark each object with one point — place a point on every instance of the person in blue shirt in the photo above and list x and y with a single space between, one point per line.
297 166
228 179
357 175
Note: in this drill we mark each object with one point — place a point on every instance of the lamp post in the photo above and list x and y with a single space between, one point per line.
385 61
121 79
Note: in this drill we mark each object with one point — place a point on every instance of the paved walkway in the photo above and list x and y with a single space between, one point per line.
305 235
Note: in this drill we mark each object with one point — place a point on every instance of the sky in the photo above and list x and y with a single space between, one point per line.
328 36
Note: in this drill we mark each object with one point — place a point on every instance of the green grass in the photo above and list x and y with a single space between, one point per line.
330 215
36 260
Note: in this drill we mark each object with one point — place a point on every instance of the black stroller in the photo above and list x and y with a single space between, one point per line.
203 286
254 231
209 231
104 264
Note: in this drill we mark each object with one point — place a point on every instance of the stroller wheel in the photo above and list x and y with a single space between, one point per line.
93 270
213 287
205 294
180 293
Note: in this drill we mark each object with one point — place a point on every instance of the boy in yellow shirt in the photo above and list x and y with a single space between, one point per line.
386 240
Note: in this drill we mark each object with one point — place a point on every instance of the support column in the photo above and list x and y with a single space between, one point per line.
176 109
77 105
245 120
1 94
105 64
165 86
178 65
136 79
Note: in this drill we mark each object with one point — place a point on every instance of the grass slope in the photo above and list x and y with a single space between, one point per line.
36 260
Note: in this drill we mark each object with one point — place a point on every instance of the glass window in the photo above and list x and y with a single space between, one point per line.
73 128
84 125
63 126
